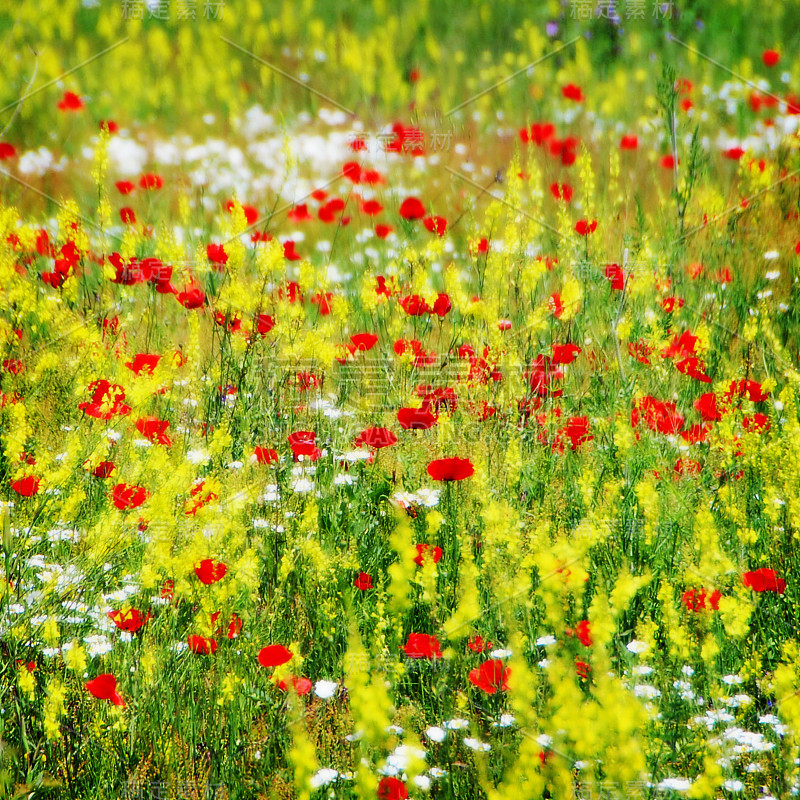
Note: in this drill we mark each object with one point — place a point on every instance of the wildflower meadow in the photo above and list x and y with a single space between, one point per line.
400 400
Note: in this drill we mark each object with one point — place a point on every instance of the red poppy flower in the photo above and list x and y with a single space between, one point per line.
581 630
109 125
302 444
274 655
299 213
289 251
408 140
422 645
412 208
125 187
154 429
391 788
301 686
543 376
477 644
201 645
442 305
425 551
372 177
250 213
694 368
564 353
561 191
143 362
491 676
584 227
216 254
451 469
695 600
681 346
723 275
541 132
669 303
106 400
414 305
565 149
577 431
125 497
234 627
168 589
437 225
758 422
352 171
332 209
770 58
130 621
264 324
764 580
416 419
382 231
573 92
266 456
151 181
687 466
733 153
301 436
191 297
7 151
751 389
371 208
661 417
104 469
210 571
582 669
616 276
325 302
27 486
376 438
363 581
364 341
70 102
13 365
104 687
127 216
668 162
628 142
696 433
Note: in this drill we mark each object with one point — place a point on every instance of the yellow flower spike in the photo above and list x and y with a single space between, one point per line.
54 709
370 704
625 589
26 682
735 611
468 610
401 571
705 787
76 658
601 621
51 632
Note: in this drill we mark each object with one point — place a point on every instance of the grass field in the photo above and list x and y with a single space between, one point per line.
399 400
